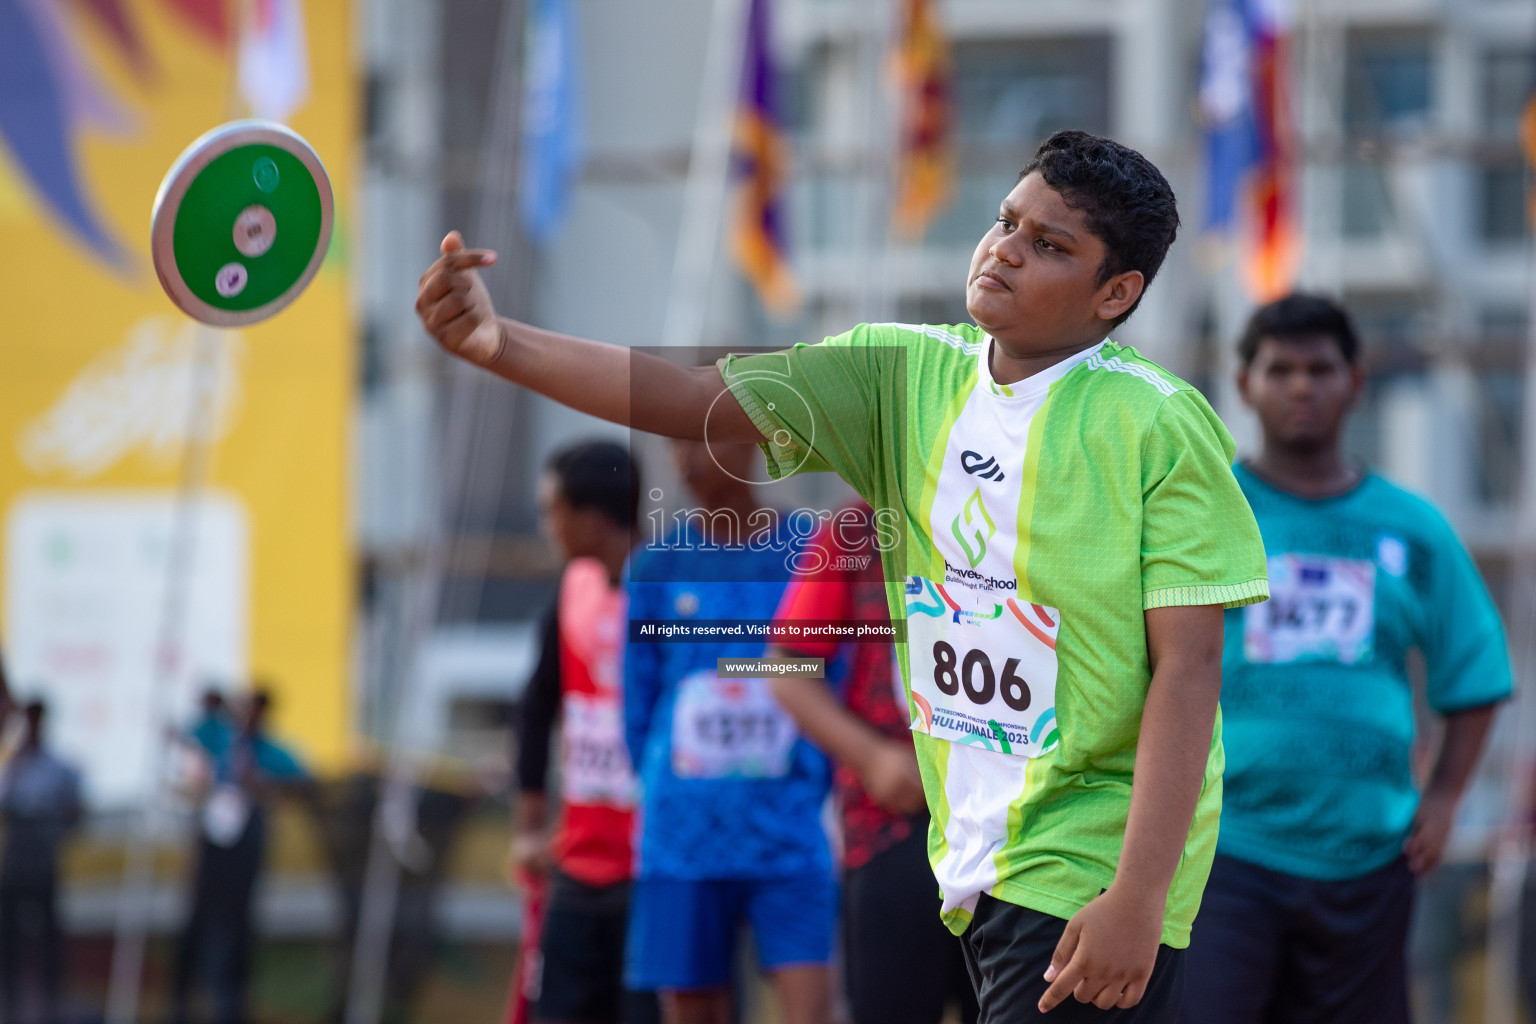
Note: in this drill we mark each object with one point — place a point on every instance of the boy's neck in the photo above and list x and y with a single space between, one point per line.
1007 369
739 503
1319 471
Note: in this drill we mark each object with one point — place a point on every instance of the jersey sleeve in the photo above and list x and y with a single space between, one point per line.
1465 652
1200 543
541 706
819 407
820 593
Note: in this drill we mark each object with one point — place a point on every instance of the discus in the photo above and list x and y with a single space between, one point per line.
241 223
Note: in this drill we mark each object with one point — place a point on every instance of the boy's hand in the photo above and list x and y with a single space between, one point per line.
532 854
1430 832
1106 955
455 306
892 780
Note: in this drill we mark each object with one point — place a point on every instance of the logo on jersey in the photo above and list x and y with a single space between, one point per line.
984 466
973 528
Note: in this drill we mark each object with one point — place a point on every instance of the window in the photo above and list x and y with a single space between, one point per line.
1394 331
1008 96
1387 95
1388 84
1503 182
1500 404
1367 202
1503 210
1504 327
1508 78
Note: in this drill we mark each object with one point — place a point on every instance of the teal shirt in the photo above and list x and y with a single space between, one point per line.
1317 708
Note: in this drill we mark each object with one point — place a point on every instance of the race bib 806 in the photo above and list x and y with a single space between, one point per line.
983 671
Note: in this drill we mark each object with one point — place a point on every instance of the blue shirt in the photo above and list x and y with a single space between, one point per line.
704 815
1316 703
227 747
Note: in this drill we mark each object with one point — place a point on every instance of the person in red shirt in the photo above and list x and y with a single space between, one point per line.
588 501
902 966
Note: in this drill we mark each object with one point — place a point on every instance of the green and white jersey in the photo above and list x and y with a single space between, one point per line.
1041 520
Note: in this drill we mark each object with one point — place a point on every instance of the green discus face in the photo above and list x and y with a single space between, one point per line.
241 223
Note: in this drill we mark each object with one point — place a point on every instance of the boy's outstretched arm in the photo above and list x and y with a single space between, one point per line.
608 381
1107 953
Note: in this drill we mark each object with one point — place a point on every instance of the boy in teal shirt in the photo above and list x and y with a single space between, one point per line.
1323 826
1067 534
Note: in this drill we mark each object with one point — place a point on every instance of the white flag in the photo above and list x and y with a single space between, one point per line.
274 61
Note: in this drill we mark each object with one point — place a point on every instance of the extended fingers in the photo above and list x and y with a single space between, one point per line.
441 281
1066 982
456 264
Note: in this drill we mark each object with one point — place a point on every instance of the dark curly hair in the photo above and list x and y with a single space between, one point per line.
1126 201
1300 315
599 475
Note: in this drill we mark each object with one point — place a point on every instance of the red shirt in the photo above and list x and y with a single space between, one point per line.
593 842
851 586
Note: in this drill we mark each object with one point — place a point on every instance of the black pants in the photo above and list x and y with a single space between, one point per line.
29 923
216 943
582 979
1273 948
901 964
1008 948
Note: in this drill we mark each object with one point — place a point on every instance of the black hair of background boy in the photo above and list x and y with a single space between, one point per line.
1296 316
600 475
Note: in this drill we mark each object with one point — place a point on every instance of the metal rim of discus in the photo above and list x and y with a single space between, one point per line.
193 160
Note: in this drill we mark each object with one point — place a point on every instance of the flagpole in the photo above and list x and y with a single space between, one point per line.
708 175
125 980
136 891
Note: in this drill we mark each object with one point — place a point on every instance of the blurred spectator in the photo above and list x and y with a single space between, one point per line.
212 728
40 803
248 769
589 501
5 691
900 962
1323 830
731 794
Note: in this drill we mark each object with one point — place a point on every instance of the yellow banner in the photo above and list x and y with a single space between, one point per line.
96 101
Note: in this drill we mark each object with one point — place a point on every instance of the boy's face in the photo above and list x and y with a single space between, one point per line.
713 472
1301 389
1034 280
560 521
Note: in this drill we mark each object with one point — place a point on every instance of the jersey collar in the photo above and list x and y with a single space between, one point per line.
1036 384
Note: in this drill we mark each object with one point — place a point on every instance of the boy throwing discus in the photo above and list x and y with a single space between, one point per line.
1069 532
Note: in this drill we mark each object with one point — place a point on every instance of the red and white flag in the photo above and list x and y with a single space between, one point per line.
274 60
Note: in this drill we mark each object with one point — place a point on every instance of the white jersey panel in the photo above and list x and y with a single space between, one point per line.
974 525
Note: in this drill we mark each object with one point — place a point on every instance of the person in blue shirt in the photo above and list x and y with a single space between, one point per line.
731 794
247 770
212 729
1323 823
39 805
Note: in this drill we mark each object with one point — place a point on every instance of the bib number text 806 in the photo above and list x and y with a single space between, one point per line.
975 674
